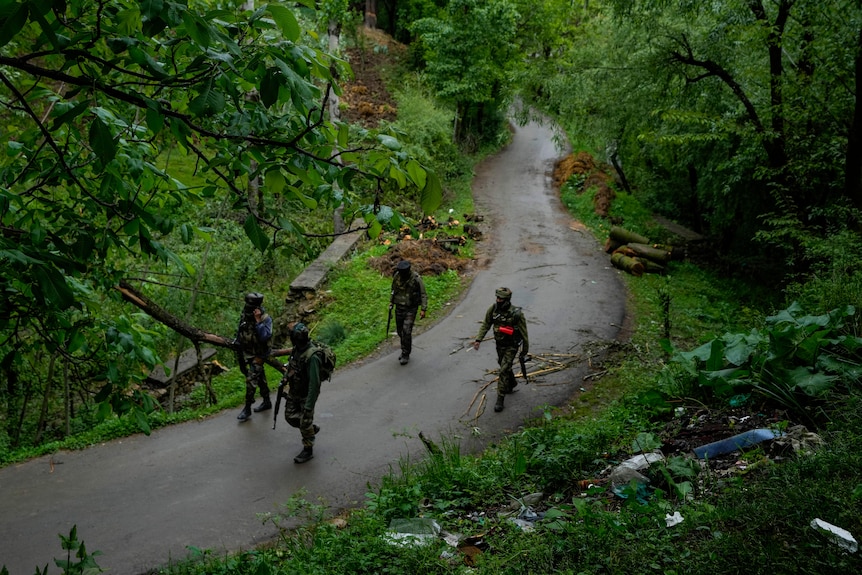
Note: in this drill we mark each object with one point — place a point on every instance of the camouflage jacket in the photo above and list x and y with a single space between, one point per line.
254 338
510 328
409 292
303 371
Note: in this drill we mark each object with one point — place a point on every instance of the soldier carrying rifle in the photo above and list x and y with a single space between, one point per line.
253 337
510 333
300 387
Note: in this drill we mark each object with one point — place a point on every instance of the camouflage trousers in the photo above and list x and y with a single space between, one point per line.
405 317
255 379
506 382
296 416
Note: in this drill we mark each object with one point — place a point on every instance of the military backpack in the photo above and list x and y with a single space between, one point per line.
327 358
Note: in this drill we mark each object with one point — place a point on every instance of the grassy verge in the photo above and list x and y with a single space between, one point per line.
756 522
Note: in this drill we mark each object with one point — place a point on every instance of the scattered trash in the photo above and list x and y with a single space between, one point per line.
642 461
674 519
587 483
840 536
522 523
735 443
622 476
532 498
640 492
408 532
799 440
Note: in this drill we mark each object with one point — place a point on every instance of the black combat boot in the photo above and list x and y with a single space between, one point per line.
245 414
264 405
498 407
304 455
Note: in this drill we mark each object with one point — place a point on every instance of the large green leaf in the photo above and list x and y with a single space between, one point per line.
102 141
431 195
197 29
270 84
53 292
13 18
286 21
255 233
812 383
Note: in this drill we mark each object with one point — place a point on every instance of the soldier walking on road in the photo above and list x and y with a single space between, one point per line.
254 336
303 378
408 297
510 333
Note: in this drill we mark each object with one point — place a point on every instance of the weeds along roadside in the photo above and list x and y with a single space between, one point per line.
589 532
585 531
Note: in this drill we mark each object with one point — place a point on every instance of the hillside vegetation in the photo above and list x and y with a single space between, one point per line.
709 115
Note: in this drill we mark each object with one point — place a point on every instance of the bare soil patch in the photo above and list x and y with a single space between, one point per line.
365 99
426 256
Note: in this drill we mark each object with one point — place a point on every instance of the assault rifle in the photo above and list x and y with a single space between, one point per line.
523 360
285 379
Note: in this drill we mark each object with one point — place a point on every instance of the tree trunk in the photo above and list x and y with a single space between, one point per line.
651 267
650 252
624 236
152 309
371 14
43 411
625 263
853 155
334 32
155 311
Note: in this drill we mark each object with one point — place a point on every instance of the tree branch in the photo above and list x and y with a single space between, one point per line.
152 309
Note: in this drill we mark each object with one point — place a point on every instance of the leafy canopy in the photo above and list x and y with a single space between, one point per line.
93 93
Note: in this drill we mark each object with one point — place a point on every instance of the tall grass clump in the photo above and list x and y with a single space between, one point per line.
428 130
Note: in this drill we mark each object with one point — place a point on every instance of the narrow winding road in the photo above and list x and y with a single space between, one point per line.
142 500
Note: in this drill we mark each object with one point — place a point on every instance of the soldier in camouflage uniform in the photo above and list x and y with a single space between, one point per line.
510 333
408 297
303 377
254 335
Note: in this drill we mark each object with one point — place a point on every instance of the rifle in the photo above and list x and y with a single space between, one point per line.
279 394
523 360
240 360
389 319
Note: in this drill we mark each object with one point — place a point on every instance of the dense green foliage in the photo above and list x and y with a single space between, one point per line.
591 530
739 119
138 136
735 118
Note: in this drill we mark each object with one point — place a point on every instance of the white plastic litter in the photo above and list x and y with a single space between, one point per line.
674 519
840 536
410 532
642 461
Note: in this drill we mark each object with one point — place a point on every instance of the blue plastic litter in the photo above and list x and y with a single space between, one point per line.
735 443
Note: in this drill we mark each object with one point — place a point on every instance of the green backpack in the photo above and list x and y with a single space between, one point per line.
327 358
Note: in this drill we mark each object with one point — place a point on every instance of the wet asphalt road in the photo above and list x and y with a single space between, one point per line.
142 500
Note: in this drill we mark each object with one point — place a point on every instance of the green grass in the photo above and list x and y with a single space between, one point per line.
755 523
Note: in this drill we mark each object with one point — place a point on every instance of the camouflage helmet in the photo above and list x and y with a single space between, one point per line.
299 335
503 293
253 300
